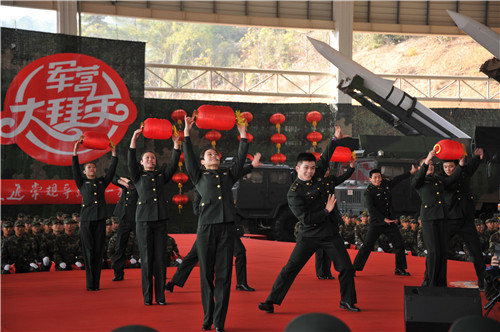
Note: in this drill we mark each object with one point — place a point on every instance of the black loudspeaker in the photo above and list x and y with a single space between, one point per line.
434 309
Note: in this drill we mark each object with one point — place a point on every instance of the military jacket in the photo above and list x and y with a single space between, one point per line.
410 239
215 186
348 232
431 191
47 245
68 249
458 196
307 201
131 250
379 199
152 201
93 191
360 234
18 251
126 207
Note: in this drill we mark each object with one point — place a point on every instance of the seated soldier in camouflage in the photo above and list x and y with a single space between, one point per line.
36 237
131 255
173 256
422 250
361 230
17 252
409 237
67 250
7 229
48 244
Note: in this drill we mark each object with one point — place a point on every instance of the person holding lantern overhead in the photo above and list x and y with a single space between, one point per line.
314 205
460 203
92 214
378 198
216 230
434 215
151 216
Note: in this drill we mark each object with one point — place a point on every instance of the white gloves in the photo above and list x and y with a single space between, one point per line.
62 265
346 243
178 260
461 252
425 251
133 261
46 261
380 249
406 252
139 260
78 264
33 265
6 267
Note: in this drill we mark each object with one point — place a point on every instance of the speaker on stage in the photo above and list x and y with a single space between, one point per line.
434 309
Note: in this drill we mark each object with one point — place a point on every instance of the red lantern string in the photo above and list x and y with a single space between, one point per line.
278 158
249 138
278 119
314 137
178 116
180 200
313 117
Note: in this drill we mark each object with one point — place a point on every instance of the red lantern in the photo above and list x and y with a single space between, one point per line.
278 138
181 135
449 150
278 158
249 156
317 155
213 136
181 158
180 200
314 137
180 178
277 119
215 117
313 117
95 140
178 116
249 137
341 154
157 128
248 116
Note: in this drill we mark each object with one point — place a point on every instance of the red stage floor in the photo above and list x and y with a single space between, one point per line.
58 301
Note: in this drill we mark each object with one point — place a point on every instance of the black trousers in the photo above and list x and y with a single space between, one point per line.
374 231
322 262
436 237
215 243
92 237
125 227
189 262
468 233
152 241
304 249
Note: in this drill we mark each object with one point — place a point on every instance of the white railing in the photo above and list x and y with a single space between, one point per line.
180 79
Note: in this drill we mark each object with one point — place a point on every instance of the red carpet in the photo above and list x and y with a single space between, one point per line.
58 301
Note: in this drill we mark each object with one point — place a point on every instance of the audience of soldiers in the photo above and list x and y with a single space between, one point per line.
33 244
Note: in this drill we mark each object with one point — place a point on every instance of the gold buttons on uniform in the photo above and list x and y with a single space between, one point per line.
218 186
217 176
95 194
154 189
220 197
202 204
437 193
154 199
439 202
425 206
95 202
152 179
140 203
95 184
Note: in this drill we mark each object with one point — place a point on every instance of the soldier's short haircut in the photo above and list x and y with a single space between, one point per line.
75 214
305 156
202 153
375 171
89 163
451 161
59 214
20 215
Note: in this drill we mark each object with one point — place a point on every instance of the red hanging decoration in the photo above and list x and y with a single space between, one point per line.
214 117
313 117
342 154
278 158
249 156
95 140
278 139
277 119
180 178
180 200
314 137
248 116
249 138
317 155
178 116
213 136
157 128
447 149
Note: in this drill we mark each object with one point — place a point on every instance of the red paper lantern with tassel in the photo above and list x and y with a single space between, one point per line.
214 117
278 158
313 117
180 178
277 119
278 138
213 136
314 137
178 116
447 149
180 200
248 116
157 128
95 140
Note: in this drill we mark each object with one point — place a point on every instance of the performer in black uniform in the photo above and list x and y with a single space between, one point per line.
188 263
378 198
321 259
434 216
125 212
313 204
92 214
460 203
215 235
151 216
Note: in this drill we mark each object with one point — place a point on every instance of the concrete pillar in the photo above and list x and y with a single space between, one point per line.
343 15
66 17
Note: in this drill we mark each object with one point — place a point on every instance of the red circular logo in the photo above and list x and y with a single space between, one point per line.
55 99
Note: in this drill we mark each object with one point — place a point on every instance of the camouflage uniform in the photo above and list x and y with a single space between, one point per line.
67 250
360 234
384 243
422 250
7 225
131 250
410 240
18 251
172 252
494 239
455 248
347 232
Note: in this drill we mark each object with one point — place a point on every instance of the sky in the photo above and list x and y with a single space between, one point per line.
42 20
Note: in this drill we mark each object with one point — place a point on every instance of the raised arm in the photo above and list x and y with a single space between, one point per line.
324 161
192 163
112 169
133 166
77 175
